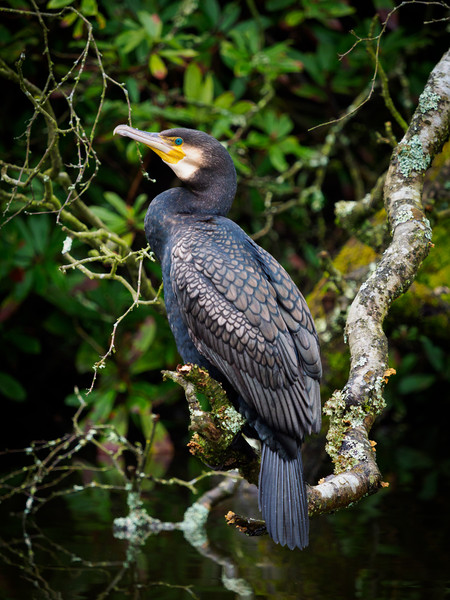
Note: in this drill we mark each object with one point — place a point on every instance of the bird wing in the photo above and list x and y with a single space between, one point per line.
244 313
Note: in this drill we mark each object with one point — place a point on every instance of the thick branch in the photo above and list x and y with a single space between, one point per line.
216 440
353 410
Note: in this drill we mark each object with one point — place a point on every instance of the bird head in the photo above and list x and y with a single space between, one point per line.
191 154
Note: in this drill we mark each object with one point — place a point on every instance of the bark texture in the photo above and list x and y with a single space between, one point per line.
353 410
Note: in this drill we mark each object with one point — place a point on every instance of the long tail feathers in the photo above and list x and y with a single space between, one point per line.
282 499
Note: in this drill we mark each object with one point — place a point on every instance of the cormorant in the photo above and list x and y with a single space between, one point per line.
234 310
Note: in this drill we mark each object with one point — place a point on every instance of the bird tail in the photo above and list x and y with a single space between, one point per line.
282 498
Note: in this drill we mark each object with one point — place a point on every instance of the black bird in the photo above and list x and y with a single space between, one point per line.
234 310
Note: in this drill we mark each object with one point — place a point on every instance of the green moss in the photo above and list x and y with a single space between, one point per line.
342 418
215 429
345 417
354 255
334 408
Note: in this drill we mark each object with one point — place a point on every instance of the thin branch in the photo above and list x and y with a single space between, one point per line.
141 255
377 39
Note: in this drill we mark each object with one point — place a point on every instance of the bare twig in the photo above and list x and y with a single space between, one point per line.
111 252
376 52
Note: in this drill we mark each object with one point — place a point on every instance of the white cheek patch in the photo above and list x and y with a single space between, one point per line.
186 168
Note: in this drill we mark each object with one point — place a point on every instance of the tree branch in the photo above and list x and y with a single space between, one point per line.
217 440
353 410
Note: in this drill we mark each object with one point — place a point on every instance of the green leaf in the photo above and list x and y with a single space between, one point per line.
225 100
207 91
133 89
40 231
89 8
242 107
11 388
295 17
59 3
435 354
69 19
139 203
131 152
78 29
192 82
212 10
409 362
25 343
255 139
312 66
103 406
90 399
115 222
415 383
327 9
157 66
145 336
116 201
119 420
277 159
129 40
221 128
183 52
284 125
230 15
152 24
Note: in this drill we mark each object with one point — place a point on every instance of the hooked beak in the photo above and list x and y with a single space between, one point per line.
162 145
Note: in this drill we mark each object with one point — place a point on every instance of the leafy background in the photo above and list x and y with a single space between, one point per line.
263 77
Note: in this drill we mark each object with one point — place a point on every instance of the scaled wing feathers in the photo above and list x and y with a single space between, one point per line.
245 314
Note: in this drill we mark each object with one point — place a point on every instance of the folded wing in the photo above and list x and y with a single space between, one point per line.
245 314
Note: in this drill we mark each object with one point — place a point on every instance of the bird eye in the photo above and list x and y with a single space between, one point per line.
178 141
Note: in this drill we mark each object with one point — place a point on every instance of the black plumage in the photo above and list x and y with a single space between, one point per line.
234 310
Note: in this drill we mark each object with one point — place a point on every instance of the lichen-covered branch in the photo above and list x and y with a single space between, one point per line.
216 440
353 410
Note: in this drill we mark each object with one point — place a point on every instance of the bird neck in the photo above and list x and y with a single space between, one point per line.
177 206
212 193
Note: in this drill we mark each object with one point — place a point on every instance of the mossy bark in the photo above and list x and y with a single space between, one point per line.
217 440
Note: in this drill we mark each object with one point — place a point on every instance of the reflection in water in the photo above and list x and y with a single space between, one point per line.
57 539
139 525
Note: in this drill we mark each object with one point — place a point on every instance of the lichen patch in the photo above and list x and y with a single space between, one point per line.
411 157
